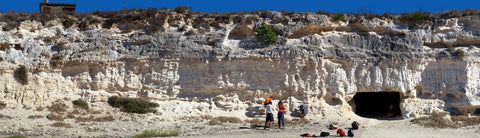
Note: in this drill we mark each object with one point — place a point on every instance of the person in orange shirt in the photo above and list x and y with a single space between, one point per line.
268 101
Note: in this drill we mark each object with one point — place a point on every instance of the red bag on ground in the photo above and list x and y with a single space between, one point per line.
340 132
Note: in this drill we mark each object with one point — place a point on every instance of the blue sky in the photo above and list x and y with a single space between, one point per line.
334 6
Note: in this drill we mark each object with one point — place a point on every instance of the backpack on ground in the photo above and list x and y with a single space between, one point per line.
332 127
355 125
324 134
350 133
340 132
306 135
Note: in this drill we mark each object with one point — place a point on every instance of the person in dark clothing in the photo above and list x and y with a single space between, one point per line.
303 111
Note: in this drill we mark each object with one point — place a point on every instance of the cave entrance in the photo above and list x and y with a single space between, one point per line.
377 104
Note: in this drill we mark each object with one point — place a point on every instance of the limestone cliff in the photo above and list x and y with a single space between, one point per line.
192 67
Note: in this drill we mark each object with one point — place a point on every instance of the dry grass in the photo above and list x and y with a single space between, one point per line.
467 121
255 121
457 43
436 120
157 133
4 46
35 116
359 28
223 119
51 39
136 25
241 32
2 105
139 42
55 117
282 21
306 31
5 116
56 60
61 124
342 29
355 27
58 108
95 119
40 108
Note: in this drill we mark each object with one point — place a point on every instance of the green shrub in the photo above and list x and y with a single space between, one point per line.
2 105
80 103
417 16
339 17
266 34
156 133
132 105
21 75
68 23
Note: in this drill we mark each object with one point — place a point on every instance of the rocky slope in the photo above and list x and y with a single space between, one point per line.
200 65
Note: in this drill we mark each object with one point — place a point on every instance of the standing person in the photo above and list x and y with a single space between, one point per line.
269 113
268 100
390 111
281 115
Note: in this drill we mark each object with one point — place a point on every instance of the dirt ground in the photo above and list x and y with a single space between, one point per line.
370 128
32 123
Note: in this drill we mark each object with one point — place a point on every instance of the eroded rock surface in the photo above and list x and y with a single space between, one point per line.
208 73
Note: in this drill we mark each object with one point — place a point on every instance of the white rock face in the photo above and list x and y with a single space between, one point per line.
187 77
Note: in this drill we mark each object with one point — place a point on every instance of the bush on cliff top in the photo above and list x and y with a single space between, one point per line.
265 34
68 23
132 105
339 17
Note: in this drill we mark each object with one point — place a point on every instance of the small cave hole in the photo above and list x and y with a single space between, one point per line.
377 105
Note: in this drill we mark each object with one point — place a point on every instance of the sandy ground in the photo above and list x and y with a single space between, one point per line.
375 129
21 122
372 129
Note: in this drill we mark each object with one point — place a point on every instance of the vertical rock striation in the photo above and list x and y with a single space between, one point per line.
208 73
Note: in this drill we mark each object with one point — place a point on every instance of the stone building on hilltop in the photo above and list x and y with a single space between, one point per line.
57 8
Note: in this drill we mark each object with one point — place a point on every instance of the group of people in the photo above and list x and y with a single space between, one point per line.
270 108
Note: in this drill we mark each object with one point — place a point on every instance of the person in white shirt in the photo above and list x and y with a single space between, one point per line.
269 113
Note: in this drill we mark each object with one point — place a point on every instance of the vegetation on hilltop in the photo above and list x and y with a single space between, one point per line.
266 34
131 19
192 23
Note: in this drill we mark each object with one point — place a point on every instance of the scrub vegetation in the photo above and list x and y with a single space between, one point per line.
132 105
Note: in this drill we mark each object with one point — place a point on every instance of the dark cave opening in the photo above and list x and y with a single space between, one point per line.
377 104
